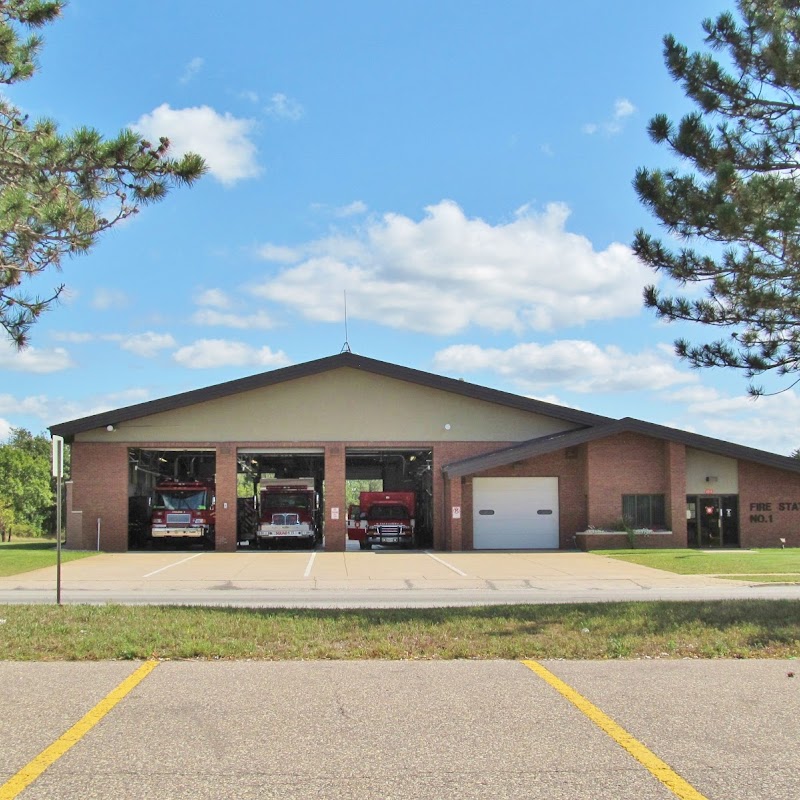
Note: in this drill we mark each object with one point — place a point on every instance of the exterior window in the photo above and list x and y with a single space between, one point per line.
644 510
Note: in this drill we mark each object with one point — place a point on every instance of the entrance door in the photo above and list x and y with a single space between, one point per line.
515 513
712 520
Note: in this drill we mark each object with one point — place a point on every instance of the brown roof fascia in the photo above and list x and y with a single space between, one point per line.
528 449
549 444
272 377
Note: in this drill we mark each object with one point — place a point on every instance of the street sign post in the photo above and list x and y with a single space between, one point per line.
58 474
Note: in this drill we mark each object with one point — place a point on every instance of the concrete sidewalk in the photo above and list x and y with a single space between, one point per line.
386 577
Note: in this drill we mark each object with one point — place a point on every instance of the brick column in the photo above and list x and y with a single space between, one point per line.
453 526
676 491
226 498
335 502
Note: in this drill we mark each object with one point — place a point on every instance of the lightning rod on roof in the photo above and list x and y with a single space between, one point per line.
346 345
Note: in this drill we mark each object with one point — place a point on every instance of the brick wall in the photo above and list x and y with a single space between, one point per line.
627 463
769 506
99 474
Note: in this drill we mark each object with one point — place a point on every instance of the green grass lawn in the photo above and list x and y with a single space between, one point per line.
768 565
713 629
28 554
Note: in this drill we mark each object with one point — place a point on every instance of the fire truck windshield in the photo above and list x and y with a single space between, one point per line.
174 501
388 512
279 500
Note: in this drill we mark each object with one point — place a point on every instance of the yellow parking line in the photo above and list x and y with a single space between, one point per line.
33 769
677 785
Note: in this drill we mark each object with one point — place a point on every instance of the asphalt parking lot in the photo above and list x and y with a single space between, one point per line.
727 730
376 578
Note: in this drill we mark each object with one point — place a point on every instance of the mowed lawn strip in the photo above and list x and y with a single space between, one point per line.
24 556
782 565
729 629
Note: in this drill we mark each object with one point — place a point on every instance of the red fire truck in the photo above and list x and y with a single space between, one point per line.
184 510
382 518
288 512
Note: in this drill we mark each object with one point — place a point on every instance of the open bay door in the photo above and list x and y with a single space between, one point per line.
515 513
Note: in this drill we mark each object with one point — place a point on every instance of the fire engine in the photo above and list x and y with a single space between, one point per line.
382 518
184 510
288 512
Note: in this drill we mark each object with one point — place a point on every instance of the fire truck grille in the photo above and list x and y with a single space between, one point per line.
179 519
285 519
390 530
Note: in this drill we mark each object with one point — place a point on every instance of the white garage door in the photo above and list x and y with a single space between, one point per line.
511 513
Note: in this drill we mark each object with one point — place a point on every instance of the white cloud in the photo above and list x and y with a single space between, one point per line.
107 299
59 410
5 430
283 107
574 365
33 359
222 139
73 337
34 405
147 344
209 317
769 423
283 255
351 209
623 108
191 69
446 272
213 297
207 353
56 409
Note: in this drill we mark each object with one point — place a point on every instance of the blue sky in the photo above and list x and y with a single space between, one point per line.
462 170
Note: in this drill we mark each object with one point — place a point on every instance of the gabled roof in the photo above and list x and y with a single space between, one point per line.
351 360
560 441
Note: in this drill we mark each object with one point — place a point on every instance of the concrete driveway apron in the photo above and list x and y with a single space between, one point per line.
388 577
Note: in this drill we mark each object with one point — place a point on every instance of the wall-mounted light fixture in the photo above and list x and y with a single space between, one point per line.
110 428
447 426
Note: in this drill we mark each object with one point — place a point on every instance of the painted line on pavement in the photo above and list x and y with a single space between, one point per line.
647 758
310 564
33 769
449 566
169 566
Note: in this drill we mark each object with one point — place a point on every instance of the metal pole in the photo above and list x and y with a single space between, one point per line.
98 534
58 474
58 540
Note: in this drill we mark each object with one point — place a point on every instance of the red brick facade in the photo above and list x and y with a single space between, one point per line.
769 506
592 477
100 490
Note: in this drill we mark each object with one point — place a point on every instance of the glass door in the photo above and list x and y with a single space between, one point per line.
712 520
709 521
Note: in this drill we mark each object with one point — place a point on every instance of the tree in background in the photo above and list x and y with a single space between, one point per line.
6 520
26 485
58 193
738 212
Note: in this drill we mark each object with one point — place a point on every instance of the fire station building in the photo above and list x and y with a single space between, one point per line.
490 470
